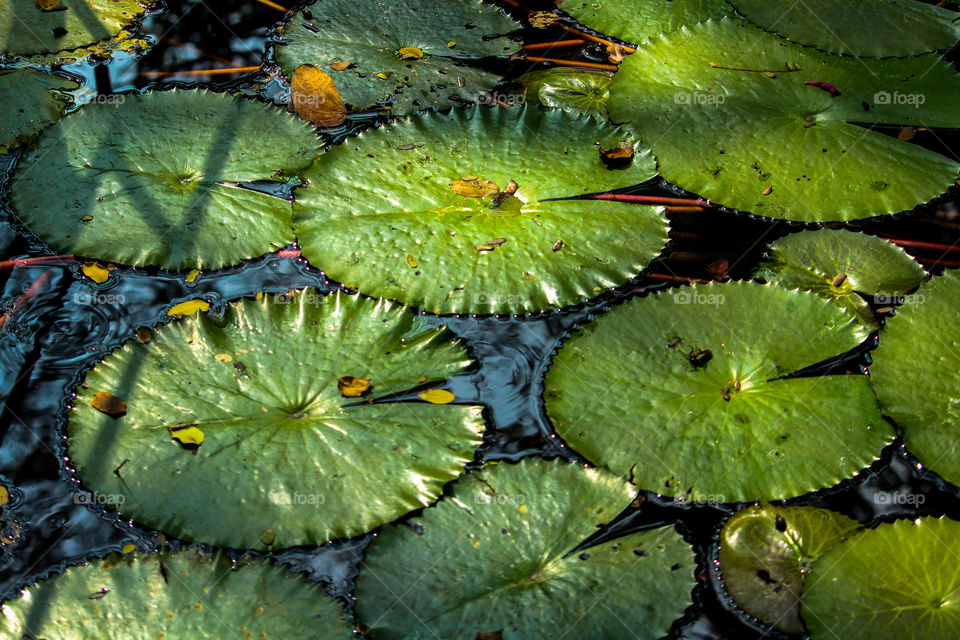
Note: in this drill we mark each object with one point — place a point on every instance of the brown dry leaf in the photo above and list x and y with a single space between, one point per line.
623 151
48 5
340 66
437 396
144 336
907 133
508 191
109 404
474 187
542 19
616 53
768 191
558 245
410 53
351 387
315 98
489 635
490 246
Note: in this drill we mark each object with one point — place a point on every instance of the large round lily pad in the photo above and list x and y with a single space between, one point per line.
188 594
684 391
730 115
765 555
26 29
32 101
916 374
900 580
282 460
843 266
152 179
631 22
408 211
495 558
413 51
877 28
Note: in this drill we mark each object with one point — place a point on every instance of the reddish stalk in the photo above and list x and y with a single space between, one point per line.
197 72
621 197
289 253
517 5
922 245
536 46
685 209
273 5
593 38
952 264
66 258
573 63
37 285
670 278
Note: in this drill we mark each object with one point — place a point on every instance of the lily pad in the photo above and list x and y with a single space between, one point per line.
765 555
572 90
154 179
686 394
916 374
497 557
878 28
843 266
187 594
40 100
26 29
632 23
731 115
409 51
392 211
900 580
285 459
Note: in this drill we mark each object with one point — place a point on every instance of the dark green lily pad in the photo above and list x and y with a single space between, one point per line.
40 100
283 460
916 374
765 555
381 213
878 28
370 34
631 22
495 557
25 29
900 580
776 146
683 391
572 90
188 594
843 266
153 179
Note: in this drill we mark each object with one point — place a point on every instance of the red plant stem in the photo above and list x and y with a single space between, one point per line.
37 285
289 253
621 197
273 5
685 209
573 63
670 278
517 5
922 245
593 38
533 46
38 261
952 264
197 72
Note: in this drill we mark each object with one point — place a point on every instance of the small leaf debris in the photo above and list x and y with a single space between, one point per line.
186 434
490 246
437 396
188 308
474 187
350 387
109 404
314 97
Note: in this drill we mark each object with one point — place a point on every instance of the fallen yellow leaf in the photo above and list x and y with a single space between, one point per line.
4 495
223 357
185 434
109 404
437 396
97 272
315 98
47 5
129 548
192 276
541 19
410 53
351 387
412 261
474 187
339 66
188 308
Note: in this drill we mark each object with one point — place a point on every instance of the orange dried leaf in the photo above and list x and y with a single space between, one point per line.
474 187
616 53
47 5
541 19
623 151
351 387
109 404
340 66
315 98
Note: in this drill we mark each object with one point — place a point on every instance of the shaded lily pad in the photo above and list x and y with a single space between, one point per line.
393 212
765 555
187 594
632 23
407 50
842 266
281 459
916 374
153 179
684 391
572 90
40 101
899 580
496 557
878 28
730 115
26 29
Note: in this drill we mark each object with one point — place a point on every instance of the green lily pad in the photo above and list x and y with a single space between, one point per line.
900 580
153 179
572 90
842 266
878 28
382 213
765 555
25 29
720 126
40 100
283 460
495 558
632 23
683 391
916 374
187 594
409 51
